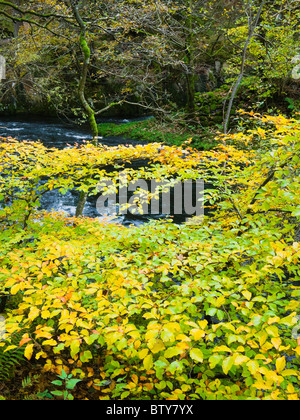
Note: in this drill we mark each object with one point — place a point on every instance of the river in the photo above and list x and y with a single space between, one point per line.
60 134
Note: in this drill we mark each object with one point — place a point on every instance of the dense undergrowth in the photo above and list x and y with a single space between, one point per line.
203 310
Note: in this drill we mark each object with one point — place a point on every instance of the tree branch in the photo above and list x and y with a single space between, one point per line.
32 12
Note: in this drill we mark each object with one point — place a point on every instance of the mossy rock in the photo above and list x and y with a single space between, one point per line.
209 106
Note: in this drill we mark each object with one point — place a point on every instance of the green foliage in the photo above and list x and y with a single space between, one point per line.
66 381
204 310
210 106
146 61
10 357
153 131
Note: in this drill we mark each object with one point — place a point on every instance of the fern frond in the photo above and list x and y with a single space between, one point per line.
10 359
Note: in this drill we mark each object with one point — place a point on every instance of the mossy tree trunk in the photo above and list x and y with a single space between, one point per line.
86 52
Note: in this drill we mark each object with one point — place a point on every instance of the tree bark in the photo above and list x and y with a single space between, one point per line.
190 76
81 203
86 52
252 27
81 91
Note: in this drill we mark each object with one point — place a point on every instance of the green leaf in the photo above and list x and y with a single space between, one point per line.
58 383
72 383
125 394
214 360
227 364
57 393
171 352
211 311
86 356
196 354
170 385
296 212
63 374
253 366
75 345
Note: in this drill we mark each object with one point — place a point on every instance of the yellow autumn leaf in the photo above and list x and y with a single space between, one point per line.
40 354
263 338
272 331
172 327
196 354
75 346
171 352
276 342
15 288
222 348
34 313
247 295
227 364
9 348
42 333
280 364
48 366
253 366
49 342
297 350
220 301
137 344
273 377
148 362
197 333
45 314
143 353
203 324
64 315
240 359
28 351
157 347
290 372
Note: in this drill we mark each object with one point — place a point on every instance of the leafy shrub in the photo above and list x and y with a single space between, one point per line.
198 311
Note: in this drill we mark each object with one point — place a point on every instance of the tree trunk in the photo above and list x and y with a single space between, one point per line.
190 76
81 89
190 81
252 27
86 52
81 203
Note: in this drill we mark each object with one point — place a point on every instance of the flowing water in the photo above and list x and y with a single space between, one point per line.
59 134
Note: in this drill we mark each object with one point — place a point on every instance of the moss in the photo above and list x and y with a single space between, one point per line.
84 46
152 131
209 106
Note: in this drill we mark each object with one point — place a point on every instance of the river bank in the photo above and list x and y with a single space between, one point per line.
152 130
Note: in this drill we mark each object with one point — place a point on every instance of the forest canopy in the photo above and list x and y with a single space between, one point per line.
164 56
